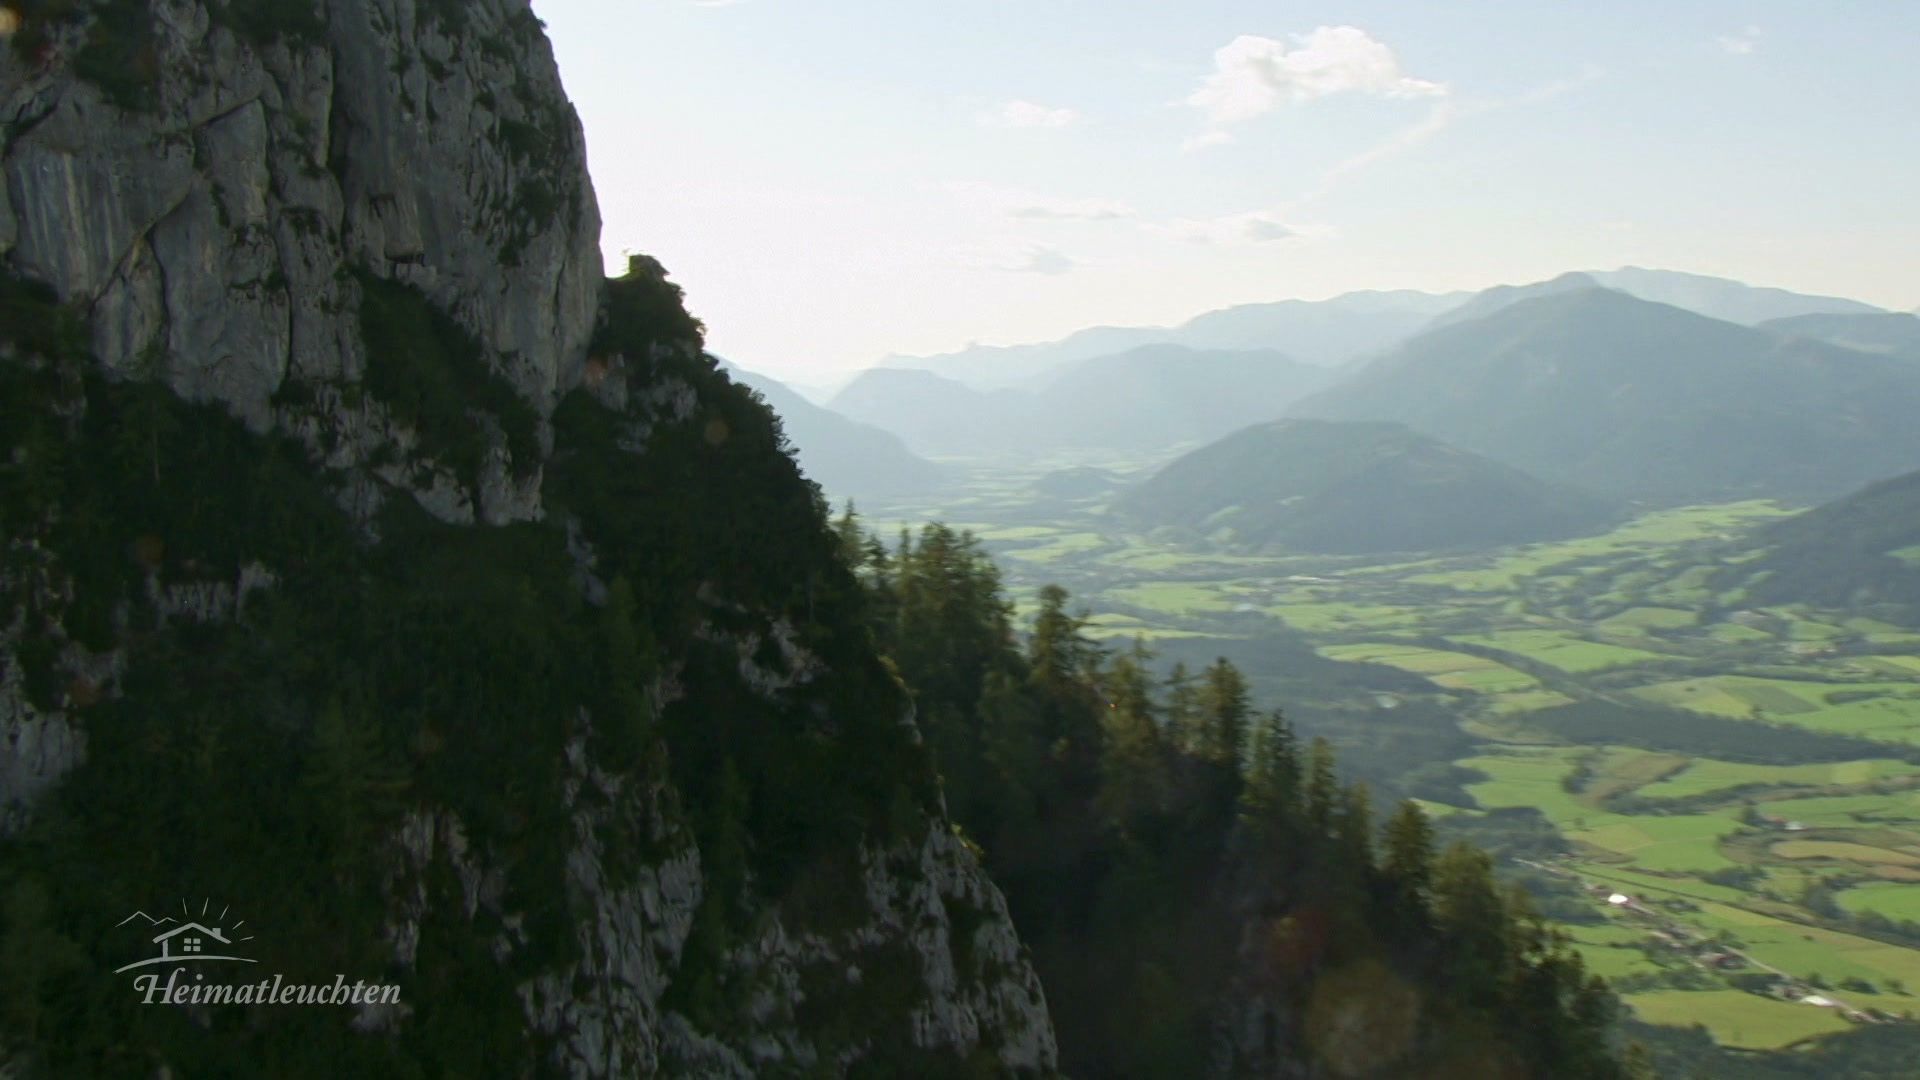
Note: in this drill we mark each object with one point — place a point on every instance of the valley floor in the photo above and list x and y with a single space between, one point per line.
1735 790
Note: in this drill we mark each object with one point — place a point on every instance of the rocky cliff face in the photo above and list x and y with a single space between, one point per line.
204 208
299 305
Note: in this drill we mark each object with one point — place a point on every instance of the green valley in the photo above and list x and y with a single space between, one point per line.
1740 778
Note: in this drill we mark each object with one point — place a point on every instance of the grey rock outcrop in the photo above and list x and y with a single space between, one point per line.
207 234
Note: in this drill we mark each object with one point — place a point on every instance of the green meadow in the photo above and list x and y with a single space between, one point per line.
1737 1019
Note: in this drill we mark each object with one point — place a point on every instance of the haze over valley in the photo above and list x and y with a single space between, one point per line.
1617 573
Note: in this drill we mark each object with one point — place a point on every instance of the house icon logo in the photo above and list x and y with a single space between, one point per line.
187 939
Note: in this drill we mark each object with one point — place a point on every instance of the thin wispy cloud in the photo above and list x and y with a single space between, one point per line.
1027 205
1027 114
1438 119
1254 75
1073 210
1016 257
1742 43
1443 115
1230 230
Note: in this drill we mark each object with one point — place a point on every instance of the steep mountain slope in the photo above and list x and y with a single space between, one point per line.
1722 298
1642 400
1501 297
1352 488
1163 395
936 415
378 573
1323 332
1861 553
1893 333
845 457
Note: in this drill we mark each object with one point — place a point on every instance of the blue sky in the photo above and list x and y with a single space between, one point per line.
836 180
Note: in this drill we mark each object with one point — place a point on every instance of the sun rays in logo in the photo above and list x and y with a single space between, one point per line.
192 937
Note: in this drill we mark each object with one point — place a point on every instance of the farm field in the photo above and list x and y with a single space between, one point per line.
1879 710
1803 857
1704 776
1736 1019
1457 671
1560 649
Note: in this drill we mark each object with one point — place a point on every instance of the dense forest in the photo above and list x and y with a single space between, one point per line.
1196 884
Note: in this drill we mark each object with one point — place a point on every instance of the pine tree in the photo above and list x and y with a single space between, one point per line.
1133 771
1270 802
350 784
1407 867
1323 791
846 529
1058 653
1129 682
1353 832
1224 709
1183 710
1473 922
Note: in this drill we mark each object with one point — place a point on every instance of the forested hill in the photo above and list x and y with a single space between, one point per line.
1861 552
1353 487
1202 895
377 574
1645 401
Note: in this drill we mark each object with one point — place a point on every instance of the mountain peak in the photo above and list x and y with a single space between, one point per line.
1629 396
1352 487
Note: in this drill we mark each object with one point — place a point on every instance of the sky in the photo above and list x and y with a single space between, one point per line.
833 181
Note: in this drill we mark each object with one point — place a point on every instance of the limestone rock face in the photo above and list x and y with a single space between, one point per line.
221 224
207 231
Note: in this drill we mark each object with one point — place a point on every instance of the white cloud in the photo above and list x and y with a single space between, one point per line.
1018 258
1231 230
1254 75
1742 43
1026 114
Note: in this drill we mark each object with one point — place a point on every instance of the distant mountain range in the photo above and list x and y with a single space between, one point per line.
1354 488
1723 298
845 457
1150 398
1890 332
932 413
1643 400
1638 384
1356 325
1322 332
